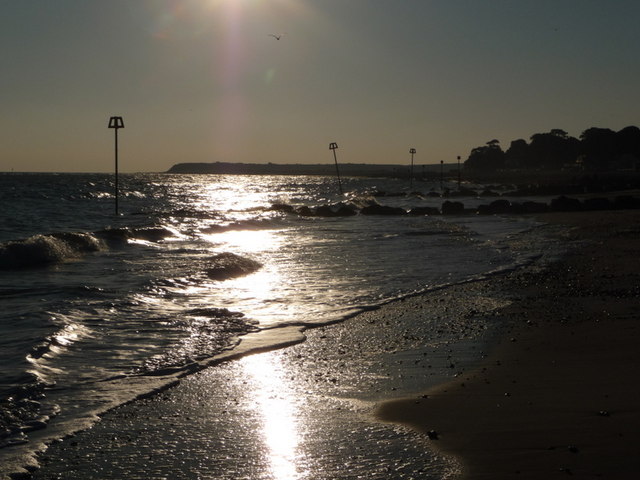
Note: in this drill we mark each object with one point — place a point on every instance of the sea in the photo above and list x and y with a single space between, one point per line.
100 307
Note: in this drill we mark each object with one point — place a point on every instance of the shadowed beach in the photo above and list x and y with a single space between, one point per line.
558 395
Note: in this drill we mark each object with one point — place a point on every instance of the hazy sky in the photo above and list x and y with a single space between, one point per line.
202 80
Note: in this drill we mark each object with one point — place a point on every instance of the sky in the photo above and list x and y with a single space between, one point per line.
204 80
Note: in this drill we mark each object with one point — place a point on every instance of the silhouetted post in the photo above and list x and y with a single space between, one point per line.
116 123
412 151
459 173
333 146
442 175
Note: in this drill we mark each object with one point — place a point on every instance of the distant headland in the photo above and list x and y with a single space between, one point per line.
346 169
599 160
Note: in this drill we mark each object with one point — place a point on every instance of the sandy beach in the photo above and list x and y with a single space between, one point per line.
558 396
531 377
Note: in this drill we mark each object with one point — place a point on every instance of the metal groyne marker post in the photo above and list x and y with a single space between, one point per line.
333 146
116 123
459 174
442 175
412 151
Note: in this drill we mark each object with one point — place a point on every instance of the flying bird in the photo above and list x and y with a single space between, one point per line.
277 37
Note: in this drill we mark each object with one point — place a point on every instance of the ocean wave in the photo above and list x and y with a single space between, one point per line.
210 331
19 412
187 213
252 224
68 333
124 234
40 250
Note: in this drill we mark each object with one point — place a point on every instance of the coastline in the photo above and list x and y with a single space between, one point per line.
319 393
330 386
556 396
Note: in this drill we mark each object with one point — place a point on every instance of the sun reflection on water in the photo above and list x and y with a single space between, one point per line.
260 294
275 402
248 241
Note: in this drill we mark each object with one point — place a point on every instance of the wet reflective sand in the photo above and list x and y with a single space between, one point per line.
303 412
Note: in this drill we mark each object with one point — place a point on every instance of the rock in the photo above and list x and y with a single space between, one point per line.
282 207
483 210
433 435
534 207
566 204
304 211
500 206
424 211
324 211
345 211
497 207
597 204
229 265
329 211
452 208
382 210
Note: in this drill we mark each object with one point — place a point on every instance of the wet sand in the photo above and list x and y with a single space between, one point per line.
301 412
559 395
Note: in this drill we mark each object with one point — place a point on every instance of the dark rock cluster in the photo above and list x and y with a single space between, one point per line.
500 206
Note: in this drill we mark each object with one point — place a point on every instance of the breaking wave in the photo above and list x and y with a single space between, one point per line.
40 250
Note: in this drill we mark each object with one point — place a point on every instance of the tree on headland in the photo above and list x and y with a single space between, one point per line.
597 149
487 157
553 150
629 140
558 132
598 146
518 155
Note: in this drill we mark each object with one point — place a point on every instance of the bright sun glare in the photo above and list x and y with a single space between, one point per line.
247 241
258 292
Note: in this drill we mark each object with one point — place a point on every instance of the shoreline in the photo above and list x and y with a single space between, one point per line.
556 395
26 458
330 385
335 378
